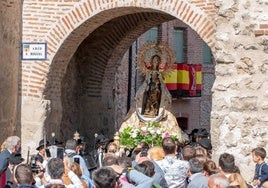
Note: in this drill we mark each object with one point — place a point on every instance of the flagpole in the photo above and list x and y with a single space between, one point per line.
44 135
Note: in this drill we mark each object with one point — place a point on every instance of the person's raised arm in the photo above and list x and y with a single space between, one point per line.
141 180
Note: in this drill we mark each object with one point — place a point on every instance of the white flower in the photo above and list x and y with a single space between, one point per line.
143 128
158 131
134 134
152 131
136 131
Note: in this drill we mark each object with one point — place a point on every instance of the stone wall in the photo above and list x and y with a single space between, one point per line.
240 99
10 41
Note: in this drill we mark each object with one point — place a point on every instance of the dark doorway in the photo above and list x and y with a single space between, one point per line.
183 123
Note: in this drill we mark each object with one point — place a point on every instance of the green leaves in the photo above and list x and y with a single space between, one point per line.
152 133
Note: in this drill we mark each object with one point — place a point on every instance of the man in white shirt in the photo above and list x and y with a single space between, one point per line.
173 168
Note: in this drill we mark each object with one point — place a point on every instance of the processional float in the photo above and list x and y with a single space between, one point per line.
150 118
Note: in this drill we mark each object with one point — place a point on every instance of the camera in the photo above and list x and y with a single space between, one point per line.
35 168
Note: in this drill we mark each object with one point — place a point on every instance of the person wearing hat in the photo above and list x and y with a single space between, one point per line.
206 144
41 155
198 134
201 133
100 147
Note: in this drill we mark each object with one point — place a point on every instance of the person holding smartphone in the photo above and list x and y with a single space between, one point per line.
70 150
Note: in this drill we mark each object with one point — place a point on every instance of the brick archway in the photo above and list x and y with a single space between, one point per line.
66 33
42 81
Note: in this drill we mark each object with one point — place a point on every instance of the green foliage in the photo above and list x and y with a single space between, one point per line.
152 133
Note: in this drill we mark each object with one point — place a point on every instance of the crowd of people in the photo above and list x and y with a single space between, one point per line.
168 166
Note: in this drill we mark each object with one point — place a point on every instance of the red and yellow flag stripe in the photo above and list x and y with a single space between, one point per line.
185 77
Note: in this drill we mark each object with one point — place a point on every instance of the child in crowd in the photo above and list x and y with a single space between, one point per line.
261 169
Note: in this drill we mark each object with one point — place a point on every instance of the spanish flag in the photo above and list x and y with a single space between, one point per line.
185 80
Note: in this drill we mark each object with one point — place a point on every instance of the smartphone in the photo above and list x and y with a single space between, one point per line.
144 153
60 152
48 153
77 160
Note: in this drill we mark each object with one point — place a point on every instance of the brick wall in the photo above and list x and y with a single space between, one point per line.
52 21
101 32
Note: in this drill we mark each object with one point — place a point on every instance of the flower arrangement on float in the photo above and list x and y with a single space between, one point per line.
151 132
